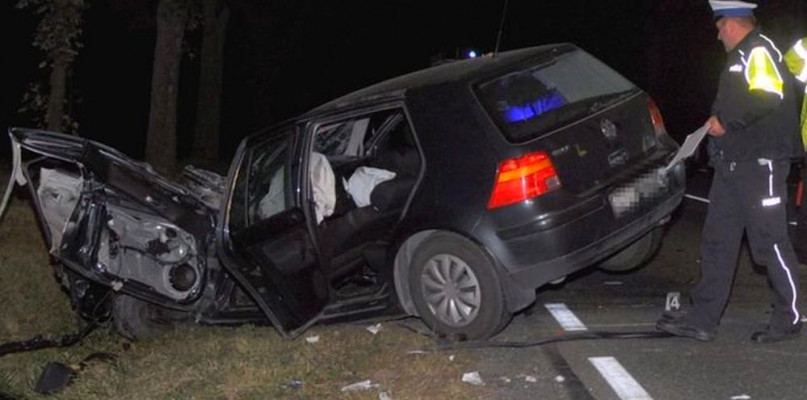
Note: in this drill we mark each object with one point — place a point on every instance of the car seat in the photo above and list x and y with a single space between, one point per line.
342 238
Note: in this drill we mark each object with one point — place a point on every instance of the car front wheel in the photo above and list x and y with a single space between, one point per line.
456 289
136 319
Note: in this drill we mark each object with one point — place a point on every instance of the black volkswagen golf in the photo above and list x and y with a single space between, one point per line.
451 194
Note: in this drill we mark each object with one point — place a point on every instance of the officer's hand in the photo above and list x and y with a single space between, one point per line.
715 127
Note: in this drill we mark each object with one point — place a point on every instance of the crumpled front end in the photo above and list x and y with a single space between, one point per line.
114 221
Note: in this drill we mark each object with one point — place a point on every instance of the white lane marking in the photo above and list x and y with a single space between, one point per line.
565 317
693 197
624 385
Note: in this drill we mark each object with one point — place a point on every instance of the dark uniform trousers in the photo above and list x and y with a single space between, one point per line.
748 196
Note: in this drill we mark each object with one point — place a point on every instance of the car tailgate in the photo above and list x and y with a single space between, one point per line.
595 150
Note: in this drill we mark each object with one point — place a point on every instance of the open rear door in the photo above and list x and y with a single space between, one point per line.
264 237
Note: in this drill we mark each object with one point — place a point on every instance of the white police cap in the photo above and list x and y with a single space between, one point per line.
731 8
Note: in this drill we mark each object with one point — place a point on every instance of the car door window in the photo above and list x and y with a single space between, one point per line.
263 185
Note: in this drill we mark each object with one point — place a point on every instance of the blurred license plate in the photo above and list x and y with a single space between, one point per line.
645 189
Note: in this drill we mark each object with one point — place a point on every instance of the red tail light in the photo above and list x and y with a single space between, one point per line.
655 117
523 178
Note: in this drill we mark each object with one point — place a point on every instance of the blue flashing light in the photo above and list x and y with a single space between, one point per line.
533 109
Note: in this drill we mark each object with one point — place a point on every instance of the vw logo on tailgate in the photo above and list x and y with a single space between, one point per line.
608 129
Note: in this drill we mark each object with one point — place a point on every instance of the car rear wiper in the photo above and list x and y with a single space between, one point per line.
600 102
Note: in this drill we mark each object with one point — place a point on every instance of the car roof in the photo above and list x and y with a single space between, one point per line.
454 72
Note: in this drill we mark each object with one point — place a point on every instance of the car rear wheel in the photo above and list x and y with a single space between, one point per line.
636 254
456 289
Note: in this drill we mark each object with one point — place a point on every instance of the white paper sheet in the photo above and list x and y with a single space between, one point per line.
690 145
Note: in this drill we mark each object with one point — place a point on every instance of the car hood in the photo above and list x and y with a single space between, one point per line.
197 188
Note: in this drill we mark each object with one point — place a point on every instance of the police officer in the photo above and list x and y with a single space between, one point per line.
753 128
796 60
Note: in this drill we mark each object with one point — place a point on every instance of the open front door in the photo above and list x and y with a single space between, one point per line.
264 237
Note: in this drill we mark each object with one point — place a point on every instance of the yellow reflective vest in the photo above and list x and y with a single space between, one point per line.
796 60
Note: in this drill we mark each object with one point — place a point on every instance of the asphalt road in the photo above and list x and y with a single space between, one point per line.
730 367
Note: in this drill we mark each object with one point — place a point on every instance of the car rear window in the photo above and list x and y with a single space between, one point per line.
528 103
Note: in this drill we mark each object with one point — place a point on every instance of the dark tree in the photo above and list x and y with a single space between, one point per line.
57 35
215 14
161 142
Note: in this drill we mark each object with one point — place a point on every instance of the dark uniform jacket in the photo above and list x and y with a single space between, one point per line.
756 104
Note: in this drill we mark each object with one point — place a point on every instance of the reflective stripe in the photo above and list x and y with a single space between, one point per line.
773 46
796 59
796 316
771 201
769 163
801 52
761 72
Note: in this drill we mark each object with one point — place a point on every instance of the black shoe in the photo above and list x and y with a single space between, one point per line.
679 327
772 335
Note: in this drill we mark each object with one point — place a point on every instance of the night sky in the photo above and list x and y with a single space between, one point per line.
282 58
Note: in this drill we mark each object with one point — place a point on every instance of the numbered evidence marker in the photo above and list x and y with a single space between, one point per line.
673 301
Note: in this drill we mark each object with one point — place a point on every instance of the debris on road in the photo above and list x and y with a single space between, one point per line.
560 378
374 328
359 386
473 378
293 384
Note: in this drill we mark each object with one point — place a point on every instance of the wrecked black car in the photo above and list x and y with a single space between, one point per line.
451 194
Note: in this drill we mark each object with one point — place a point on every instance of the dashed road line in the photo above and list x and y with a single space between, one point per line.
612 371
620 380
565 317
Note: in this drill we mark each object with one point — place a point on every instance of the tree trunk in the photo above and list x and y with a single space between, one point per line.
208 107
161 142
58 89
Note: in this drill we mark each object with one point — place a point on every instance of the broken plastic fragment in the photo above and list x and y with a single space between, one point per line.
312 339
473 378
117 286
293 384
374 328
363 385
560 378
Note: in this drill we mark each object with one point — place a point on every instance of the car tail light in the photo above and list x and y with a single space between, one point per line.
523 178
655 117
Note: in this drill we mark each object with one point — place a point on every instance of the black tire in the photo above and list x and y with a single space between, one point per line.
136 319
479 309
636 254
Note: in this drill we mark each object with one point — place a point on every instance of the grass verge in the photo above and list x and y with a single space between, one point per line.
196 362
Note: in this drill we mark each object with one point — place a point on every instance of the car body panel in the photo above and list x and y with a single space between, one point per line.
274 259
